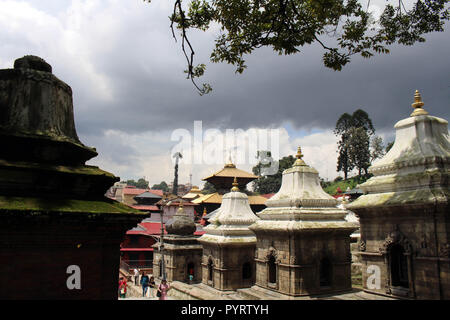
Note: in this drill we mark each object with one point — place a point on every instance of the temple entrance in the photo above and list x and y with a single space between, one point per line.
272 270
191 271
246 271
210 270
160 268
399 266
325 272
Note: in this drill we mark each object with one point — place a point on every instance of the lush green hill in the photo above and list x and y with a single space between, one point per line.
331 187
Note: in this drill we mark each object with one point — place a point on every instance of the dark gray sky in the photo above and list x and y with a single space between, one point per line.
130 93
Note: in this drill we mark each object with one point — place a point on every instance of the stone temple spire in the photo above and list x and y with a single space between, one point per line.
232 219
302 229
300 187
181 224
229 244
405 208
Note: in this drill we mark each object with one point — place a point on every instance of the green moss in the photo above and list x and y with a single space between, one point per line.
17 204
83 170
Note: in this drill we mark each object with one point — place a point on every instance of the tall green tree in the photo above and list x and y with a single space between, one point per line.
377 148
359 149
354 132
343 126
343 28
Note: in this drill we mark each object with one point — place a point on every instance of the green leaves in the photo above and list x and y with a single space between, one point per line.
288 25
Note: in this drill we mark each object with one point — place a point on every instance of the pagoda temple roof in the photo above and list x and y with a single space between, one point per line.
223 178
195 192
230 171
217 199
148 194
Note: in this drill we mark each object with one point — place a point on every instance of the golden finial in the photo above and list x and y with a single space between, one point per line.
204 211
230 163
299 156
235 185
417 105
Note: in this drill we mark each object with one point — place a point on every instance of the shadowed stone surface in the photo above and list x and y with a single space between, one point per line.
53 213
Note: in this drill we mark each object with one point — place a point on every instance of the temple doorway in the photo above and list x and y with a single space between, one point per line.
399 267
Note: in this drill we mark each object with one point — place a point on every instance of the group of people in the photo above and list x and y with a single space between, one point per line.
147 283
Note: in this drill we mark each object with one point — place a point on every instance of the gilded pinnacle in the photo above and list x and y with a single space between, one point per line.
417 105
230 163
235 185
299 156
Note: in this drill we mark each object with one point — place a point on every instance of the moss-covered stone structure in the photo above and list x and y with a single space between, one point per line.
404 212
59 235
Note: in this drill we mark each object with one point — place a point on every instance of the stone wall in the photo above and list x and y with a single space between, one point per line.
228 262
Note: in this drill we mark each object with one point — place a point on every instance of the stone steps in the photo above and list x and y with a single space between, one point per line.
258 293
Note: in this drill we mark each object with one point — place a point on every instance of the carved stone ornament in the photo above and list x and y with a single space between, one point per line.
444 252
293 260
272 252
395 237
362 245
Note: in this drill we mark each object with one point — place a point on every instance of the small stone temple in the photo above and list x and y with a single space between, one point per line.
182 253
303 239
404 212
59 234
228 244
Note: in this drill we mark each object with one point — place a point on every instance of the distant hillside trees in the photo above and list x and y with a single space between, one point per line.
161 186
208 188
141 183
271 183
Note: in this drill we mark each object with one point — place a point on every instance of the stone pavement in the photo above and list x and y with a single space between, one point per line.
134 292
200 291
183 291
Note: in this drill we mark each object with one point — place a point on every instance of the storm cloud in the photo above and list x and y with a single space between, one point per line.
126 72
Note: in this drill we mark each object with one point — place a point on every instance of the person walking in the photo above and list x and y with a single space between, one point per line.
136 276
163 288
122 287
152 285
144 282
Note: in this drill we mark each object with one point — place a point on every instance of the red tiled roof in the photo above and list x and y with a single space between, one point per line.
137 191
133 190
268 195
152 227
145 207
157 192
